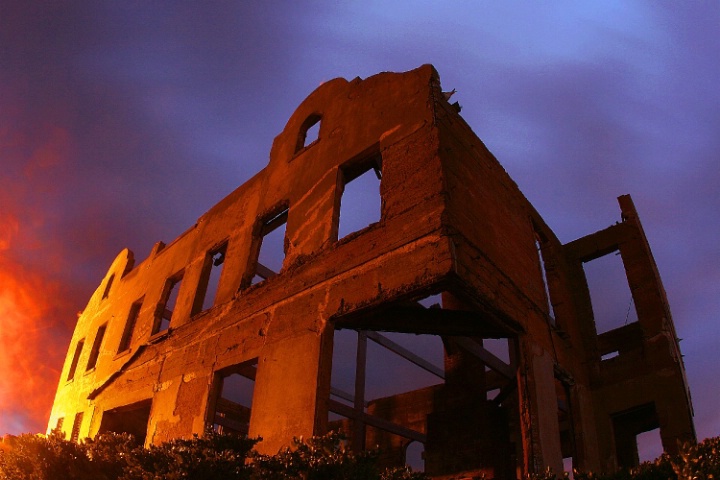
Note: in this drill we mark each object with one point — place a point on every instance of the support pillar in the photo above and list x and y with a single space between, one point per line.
292 388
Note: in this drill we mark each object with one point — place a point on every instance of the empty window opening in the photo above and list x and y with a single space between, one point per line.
649 445
609 355
543 271
388 388
76 359
360 202
568 467
95 350
343 365
272 247
415 456
210 279
108 285
433 301
167 304
498 347
628 427
126 339
374 377
392 363
132 419
309 132
493 393
77 423
233 404
610 294
59 426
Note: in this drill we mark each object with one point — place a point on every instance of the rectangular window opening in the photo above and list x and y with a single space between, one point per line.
610 355
76 359
59 426
77 423
168 303
206 296
360 201
95 350
376 374
132 419
126 339
543 270
233 404
271 253
636 432
568 467
649 445
610 294
500 347
108 285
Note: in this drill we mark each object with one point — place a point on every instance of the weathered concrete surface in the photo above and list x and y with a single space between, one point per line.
452 223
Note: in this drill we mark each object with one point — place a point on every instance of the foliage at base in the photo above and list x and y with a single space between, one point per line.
694 462
219 457
211 457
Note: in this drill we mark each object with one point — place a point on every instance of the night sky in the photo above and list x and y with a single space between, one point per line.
122 122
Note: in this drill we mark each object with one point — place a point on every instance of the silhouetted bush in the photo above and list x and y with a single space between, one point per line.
211 457
694 462
220 457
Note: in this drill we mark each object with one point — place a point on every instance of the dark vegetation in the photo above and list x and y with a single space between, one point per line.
211 457
214 456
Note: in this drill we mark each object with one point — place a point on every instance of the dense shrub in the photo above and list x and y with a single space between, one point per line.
324 458
38 457
211 457
694 462
216 457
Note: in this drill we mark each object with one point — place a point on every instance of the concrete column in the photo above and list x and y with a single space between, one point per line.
292 388
544 411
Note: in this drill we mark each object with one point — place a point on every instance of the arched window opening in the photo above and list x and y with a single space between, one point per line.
415 456
309 132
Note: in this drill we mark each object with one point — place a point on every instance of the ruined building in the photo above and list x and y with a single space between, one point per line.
204 331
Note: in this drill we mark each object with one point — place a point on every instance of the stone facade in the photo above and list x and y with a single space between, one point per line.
157 347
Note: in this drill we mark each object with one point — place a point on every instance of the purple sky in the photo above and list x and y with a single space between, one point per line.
122 122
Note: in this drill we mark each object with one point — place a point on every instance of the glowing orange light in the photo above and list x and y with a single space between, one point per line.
30 355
